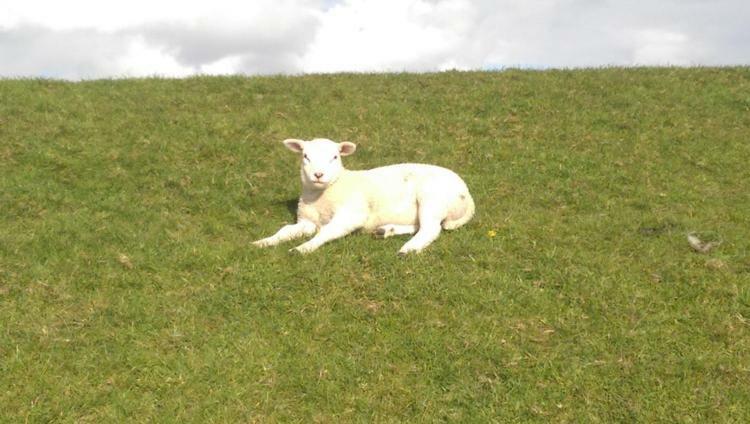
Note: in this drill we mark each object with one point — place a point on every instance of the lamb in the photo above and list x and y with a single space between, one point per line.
407 198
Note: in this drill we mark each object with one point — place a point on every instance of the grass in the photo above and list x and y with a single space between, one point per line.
129 290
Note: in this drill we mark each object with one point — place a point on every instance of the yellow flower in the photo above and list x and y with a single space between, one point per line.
491 233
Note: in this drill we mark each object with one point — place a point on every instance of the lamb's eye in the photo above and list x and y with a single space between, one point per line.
335 157
305 157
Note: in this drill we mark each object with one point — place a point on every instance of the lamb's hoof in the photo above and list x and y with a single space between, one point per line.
385 231
409 250
302 249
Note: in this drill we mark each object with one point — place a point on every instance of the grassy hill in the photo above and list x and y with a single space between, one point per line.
129 289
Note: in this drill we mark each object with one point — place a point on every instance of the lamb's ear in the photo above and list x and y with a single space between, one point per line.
346 148
294 145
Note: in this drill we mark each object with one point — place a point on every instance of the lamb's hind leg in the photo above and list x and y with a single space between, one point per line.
431 215
389 230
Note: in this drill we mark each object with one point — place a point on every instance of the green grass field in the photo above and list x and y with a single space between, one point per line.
129 290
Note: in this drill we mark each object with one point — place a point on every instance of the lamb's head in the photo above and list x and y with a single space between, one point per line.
321 160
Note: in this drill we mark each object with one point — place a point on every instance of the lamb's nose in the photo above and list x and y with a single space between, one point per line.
318 175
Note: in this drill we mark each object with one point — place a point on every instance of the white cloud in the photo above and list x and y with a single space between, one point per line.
115 16
138 38
661 47
73 54
90 39
142 60
225 66
392 35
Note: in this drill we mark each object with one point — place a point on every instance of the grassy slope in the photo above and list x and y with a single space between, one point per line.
128 288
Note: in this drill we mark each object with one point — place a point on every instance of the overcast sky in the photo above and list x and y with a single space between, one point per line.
77 39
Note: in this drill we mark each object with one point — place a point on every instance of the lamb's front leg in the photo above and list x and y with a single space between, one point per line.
288 232
342 224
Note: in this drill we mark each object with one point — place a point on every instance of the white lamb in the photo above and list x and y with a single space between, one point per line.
391 200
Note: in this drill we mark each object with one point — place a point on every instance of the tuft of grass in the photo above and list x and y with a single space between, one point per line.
129 289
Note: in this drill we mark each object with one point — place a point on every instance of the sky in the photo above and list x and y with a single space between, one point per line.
83 39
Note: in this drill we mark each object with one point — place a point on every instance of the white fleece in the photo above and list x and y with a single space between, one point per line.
390 200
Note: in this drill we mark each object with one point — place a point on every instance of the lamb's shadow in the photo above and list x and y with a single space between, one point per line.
291 206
